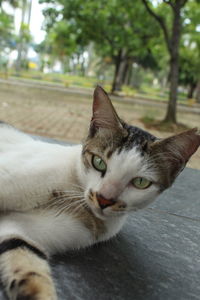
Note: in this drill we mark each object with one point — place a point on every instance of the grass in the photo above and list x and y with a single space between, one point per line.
129 91
150 122
145 91
63 79
149 117
160 94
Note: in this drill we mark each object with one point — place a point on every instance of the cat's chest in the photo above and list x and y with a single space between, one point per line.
113 226
58 233
99 229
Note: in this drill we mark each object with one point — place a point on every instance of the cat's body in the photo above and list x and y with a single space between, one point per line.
54 198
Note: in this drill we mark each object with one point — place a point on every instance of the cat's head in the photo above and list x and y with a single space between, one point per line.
126 167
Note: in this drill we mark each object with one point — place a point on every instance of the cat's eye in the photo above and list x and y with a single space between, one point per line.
99 164
141 183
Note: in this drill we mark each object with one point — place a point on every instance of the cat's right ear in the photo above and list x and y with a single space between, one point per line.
104 114
174 152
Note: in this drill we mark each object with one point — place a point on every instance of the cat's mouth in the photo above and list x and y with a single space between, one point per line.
101 203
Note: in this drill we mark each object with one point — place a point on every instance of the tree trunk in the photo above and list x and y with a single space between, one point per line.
120 66
127 72
20 46
83 67
174 65
171 109
197 97
191 90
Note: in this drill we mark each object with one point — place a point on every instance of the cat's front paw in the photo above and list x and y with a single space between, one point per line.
32 286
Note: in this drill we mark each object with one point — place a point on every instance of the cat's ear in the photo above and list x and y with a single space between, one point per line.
176 150
104 114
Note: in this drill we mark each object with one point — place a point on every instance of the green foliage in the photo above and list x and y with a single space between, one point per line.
111 25
63 39
189 65
6 27
5 24
190 48
7 37
14 3
25 35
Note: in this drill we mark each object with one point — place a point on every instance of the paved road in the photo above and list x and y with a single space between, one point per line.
139 100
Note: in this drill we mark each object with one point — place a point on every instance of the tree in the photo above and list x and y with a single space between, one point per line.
190 50
172 35
6 27
120 30
24 34
13 3
7 38
190 68
65 42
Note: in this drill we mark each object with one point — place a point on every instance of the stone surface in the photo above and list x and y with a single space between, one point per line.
156 256
183 198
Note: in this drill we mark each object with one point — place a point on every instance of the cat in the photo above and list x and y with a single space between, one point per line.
54 198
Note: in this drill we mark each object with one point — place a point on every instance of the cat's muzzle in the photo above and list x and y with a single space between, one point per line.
103 202
103 207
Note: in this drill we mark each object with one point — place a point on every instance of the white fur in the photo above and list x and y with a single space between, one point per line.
53 233
30 169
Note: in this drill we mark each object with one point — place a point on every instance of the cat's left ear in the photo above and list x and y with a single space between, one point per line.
176 150
104 114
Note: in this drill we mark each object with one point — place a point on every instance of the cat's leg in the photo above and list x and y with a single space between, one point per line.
25 272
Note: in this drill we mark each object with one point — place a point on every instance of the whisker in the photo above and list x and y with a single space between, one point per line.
63 202
71 208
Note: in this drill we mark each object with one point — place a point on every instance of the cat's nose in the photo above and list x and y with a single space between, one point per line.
103 202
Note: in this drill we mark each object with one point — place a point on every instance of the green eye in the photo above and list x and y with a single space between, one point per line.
141 183
99 164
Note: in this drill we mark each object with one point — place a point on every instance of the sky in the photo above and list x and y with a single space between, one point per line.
36 20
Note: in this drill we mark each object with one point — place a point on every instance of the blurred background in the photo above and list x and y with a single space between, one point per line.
145 53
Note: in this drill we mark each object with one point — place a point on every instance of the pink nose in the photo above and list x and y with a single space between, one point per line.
103 202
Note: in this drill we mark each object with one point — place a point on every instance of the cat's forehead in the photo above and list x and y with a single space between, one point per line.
126 160
105 141
131 163
136 137
131 137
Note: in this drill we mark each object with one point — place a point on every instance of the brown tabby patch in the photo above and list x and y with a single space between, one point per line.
104 143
